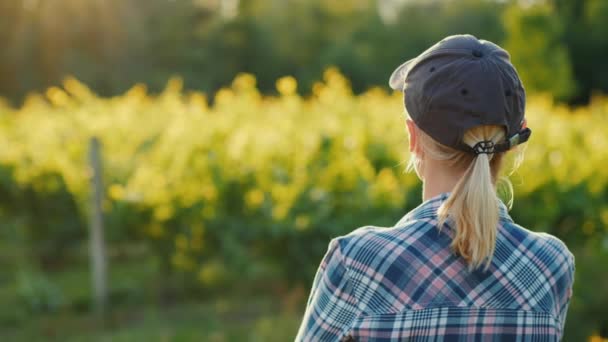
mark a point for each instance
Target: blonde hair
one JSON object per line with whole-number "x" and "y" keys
{"x": 473, "y": 203}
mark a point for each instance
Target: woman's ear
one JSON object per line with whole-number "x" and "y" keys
{"x": 413, "y": 136}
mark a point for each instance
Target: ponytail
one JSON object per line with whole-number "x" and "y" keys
{"x": 473, "y": 205}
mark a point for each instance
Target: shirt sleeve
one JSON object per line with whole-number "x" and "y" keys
{"x": 567, "y": 293}
{"x": 330, "y": 308}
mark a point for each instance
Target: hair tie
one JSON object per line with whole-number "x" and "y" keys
{"x": 484, "y": 146}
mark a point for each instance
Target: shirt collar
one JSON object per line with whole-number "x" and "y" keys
{"x": 428, "y": 209}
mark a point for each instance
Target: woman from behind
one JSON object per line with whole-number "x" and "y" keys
{"x": 457, "y": 267}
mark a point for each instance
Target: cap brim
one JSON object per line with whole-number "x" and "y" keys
{"x": 397, "y": 79}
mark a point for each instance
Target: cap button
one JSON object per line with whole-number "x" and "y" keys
{"x": 477, "y": 53}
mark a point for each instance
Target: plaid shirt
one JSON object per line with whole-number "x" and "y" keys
{"x": 404, "y": 284}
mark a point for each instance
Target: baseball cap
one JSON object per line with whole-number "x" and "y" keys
{"x": 459, "y": 83}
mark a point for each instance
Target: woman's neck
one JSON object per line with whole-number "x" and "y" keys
{"x": 438, "y": 179}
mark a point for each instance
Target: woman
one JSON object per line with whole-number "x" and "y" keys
{"x": 456, "y": 268}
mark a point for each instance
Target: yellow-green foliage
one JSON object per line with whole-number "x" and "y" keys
{"x": 252, "y": 187}
{"x": 267, "y": 180}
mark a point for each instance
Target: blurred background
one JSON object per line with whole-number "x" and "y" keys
{"x": 173, "y": 170}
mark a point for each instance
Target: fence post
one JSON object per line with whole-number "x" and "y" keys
{"x": 96, "y": 238}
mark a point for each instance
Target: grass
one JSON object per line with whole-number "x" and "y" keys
{"x": 183, "y": 322}
{"x": 137, "y": 312}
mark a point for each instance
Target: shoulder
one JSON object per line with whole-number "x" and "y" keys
{"x": 557, "y": 245}
{"x": 561, "y": 264}
{"x": 550, "y": 253}
{"x": 546, "y": 243}
{"x": 358, "y": 238}
{"x": 563, "y": 260}
{"x": 367, "y": 243}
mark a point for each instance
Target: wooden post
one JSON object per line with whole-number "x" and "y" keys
{"x": 96, "y": 238}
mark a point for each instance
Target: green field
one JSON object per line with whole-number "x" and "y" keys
{"x": 145, "y": 307}
{"x": 218, "y": 210}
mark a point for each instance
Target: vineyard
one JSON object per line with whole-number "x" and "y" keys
{"x": 241, "y": 191}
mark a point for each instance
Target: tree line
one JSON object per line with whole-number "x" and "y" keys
{"x": 557, "y": 45}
